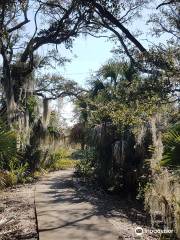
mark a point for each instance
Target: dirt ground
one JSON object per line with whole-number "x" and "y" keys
{"x": 17, "y": 206}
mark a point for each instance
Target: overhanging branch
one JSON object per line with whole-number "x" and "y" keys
{"x": 106, "y": 14}
{"x": 165, "y": 3}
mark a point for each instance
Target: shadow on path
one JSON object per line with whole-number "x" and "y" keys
{"x": 64, "y": 213}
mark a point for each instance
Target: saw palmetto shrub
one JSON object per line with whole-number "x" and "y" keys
{"x": 171, "y": 156}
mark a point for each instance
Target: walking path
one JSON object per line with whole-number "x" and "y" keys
{"x": 65, "y": 215}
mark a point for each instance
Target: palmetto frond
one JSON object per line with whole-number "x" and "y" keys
{"x": 171, "y": 155}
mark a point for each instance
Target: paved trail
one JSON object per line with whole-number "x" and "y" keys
{"x": 65, "y": 215}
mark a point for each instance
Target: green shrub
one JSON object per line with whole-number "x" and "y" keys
{"x": 32, "y": 102}
{"x": 85, "y": 167}
{"x": 12, "y": 170}
{"x": 22, "y": 173}
{"x": 60, "y": 160}
{"x": 172, "y": 147}
{"x": 7, "y": 146}
{"x": 7, "y": 179}
{"x": 63, "y": 164}
{"x": 16, "y": 173}
{"x": 60, "y": 154}
{"x": 78, "y": 154}
{"x": 19, "y": 169}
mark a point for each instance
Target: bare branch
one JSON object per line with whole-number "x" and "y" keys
{"x": 106, "y": 14}
{"x": 131, "y": 8}
{"x": 165, "y": 3}
{"x": 52, "y": 5}
{"x": 52, "y": 37}
{"x": 18, "y": 26}
{"x": 35, "y": 22}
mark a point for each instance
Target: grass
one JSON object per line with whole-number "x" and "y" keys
{"x": 63, "y": 164}
{"x": 61, "y": 160}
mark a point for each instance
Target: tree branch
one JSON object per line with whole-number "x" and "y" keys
{"x": 51, "y": 35}
{"x": 106, "y": 14}
{"x": 165, "y": 3}
{"x": 18, "y": 26}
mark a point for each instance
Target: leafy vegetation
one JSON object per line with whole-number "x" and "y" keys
{"x": 131, "y": 104}
{"x": 172, "y": 147}
{"x": 84, "y": 167}
{"x": 126, "y": 115}
{"x": 60, "y": 160}
{"x": 7, "y": 146}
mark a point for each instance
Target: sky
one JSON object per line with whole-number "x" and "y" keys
{"x": 87, "y": 55}
{"x": 90, "y": 54}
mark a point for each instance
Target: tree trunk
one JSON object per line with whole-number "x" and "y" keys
{"x": 7, "y": 83}
{"x": 17, "y": 88}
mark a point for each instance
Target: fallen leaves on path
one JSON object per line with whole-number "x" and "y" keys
{"x": 17, "y": 218}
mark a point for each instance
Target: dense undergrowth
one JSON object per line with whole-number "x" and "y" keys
{"x": 15, "y": 169}
{"x": 61, "y": 160}
{"x": 159, "y": 191}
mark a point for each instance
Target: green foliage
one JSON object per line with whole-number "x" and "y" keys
{"x": 14, "y": 169}
{"x": 60, "y": 160}
{"x": 59, "y": 154}
{"x": 7, "y": 145}
{"x": 84, "y": 168}
{"x": 17, "y": 174}
{"x": 171, "y": 156}
{"x": 7, "y": 179}
{"x": 126, "y": 99}
{"x": 22, "y": 173}
{"x": 62, "y": 164}
{"x": 77, "y": 154}
{"x": 31, "y": 106}
{"x": 53, "y": 122}
{"x": 121, "y": 95}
